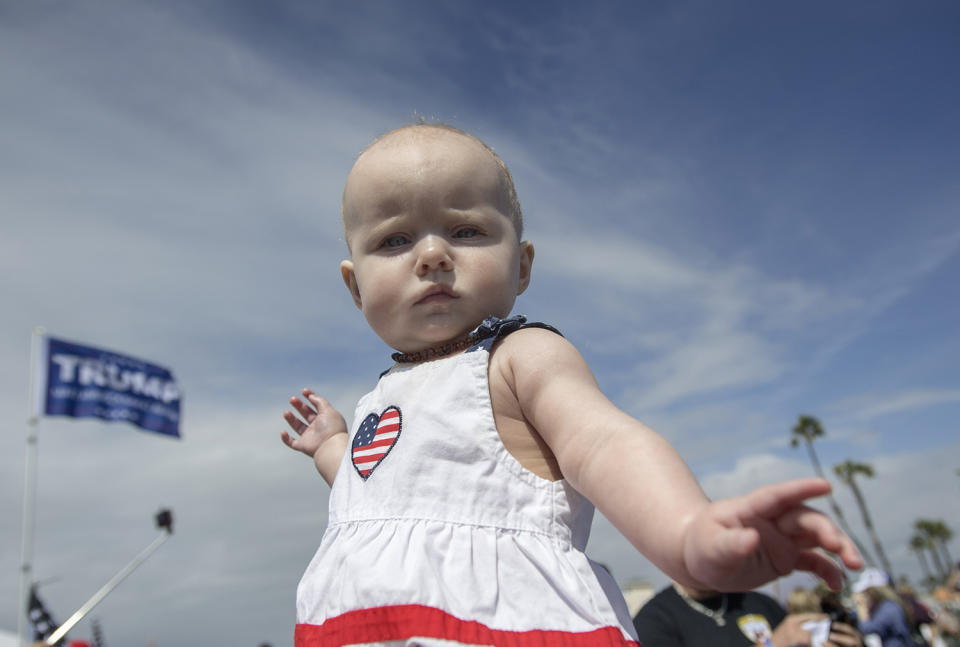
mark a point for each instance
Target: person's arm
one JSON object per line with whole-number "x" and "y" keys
{"x": 640, "y": 483}
{"x": 323, "y": 436}
{"x": 862, "y": 605}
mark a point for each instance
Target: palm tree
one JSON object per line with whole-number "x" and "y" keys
{"x": 807, "y": 429}
{"x": 942, "y": 534}
{"x": 928, "y": 530}
{"x": 918, "y": 543}
{"x": 847, "y": 472}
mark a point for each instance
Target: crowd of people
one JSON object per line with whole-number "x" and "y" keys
{"x": 872, "y": 613}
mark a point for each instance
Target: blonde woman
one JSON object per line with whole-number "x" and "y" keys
{"x": 879, "y": 609}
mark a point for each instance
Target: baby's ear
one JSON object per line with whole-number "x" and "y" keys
{"x": 526, "y": 265}
{"x": 350, "y": 280}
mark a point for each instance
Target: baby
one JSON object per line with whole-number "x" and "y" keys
{"x": 462, "y": 496}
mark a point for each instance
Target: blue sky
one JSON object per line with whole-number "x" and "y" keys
{"x": 742, "y": 212}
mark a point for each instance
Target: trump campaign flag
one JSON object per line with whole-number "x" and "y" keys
{"x": 85, "y": 382}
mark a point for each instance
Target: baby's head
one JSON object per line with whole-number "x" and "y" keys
{"x": 433, "y": 225}
{"x": 507, "y": 188}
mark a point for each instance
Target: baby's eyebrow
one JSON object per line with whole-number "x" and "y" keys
{"x": 385, "y": 208}
{"x": 389, "y": 206}
{"x": 387, "y": 220}
{"x": 386, "y": 224}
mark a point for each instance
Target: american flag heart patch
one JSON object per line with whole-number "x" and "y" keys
{"x": 374, "y": 440}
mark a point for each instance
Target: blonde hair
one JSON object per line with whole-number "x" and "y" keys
{"x": 803, "y": 601}
{"x": 876, "y": 594}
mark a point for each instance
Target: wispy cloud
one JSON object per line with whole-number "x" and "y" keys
{"x": 870, "y": 406}
{"x": 707, "y": 325}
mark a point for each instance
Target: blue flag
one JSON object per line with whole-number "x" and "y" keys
{"x": 86, "y": 382}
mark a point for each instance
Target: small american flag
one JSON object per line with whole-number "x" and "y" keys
{"x": 374, "y": 439}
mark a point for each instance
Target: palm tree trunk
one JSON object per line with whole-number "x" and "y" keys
{"x": 814, "y": 460}
{"x": 941, "y": 572}
{"x": 841, "y": 520}
{"x": 868, "y": 522}
{"x": 923, "y": 564}
{"x": 946, "y": 553}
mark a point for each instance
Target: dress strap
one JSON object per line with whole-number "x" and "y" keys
{"x": 494, "y": 328}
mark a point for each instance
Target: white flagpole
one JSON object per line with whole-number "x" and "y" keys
{"x": 29, "y": 490}
{"x": 106, "y": 589}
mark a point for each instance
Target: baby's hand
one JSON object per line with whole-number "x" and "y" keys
{"x": 741, "y": 543}
{"x": 322, "y": 422}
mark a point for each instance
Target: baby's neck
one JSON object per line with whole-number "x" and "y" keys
{"x": 434, "y": 352}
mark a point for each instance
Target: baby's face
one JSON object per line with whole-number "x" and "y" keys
{"x": 433, "y": 251}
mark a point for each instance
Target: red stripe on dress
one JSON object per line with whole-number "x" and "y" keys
{"x": 402, "y": 622}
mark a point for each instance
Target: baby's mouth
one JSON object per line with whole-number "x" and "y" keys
{"x": 437, "y": 294}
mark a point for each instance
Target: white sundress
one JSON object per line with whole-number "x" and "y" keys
{"x": 438, "y": 536}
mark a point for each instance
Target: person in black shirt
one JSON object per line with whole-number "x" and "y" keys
{"x": 683, "y": 617}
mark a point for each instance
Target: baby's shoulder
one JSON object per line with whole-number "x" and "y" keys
{"x": 532, "y": 350}
{"x": 528, "y": 343}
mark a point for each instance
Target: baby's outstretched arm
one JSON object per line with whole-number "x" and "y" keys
{"x": 323, "y": 436}
{"x": 640, "y": 483}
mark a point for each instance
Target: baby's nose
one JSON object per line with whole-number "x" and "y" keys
{"x": 434, "y": 254}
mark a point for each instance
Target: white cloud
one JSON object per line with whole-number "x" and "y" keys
{"x": 869, "y": 406}
{"x": 708, "y": 363}
{"x": 589, "y": 258}
{"x": 752, "y": 471}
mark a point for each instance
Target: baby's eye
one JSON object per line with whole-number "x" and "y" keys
{"x": 466, "y": 232}
{"x": 396, "y": 240}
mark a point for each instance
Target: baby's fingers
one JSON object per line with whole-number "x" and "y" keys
{"x": 813, "y": 561}
{"x": 294, "y": 422}
{"x": 303, "y": 408}
{"x": 812, "y": 528}
{"x": 317, "y": 401}
{"x": 771, "y": 501}
{"x": 287, "y": 439}
{"x": 297, "y": 444}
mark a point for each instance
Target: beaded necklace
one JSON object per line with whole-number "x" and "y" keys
{"x": 439, "y": 350}
{"x": 717, "y": 616}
